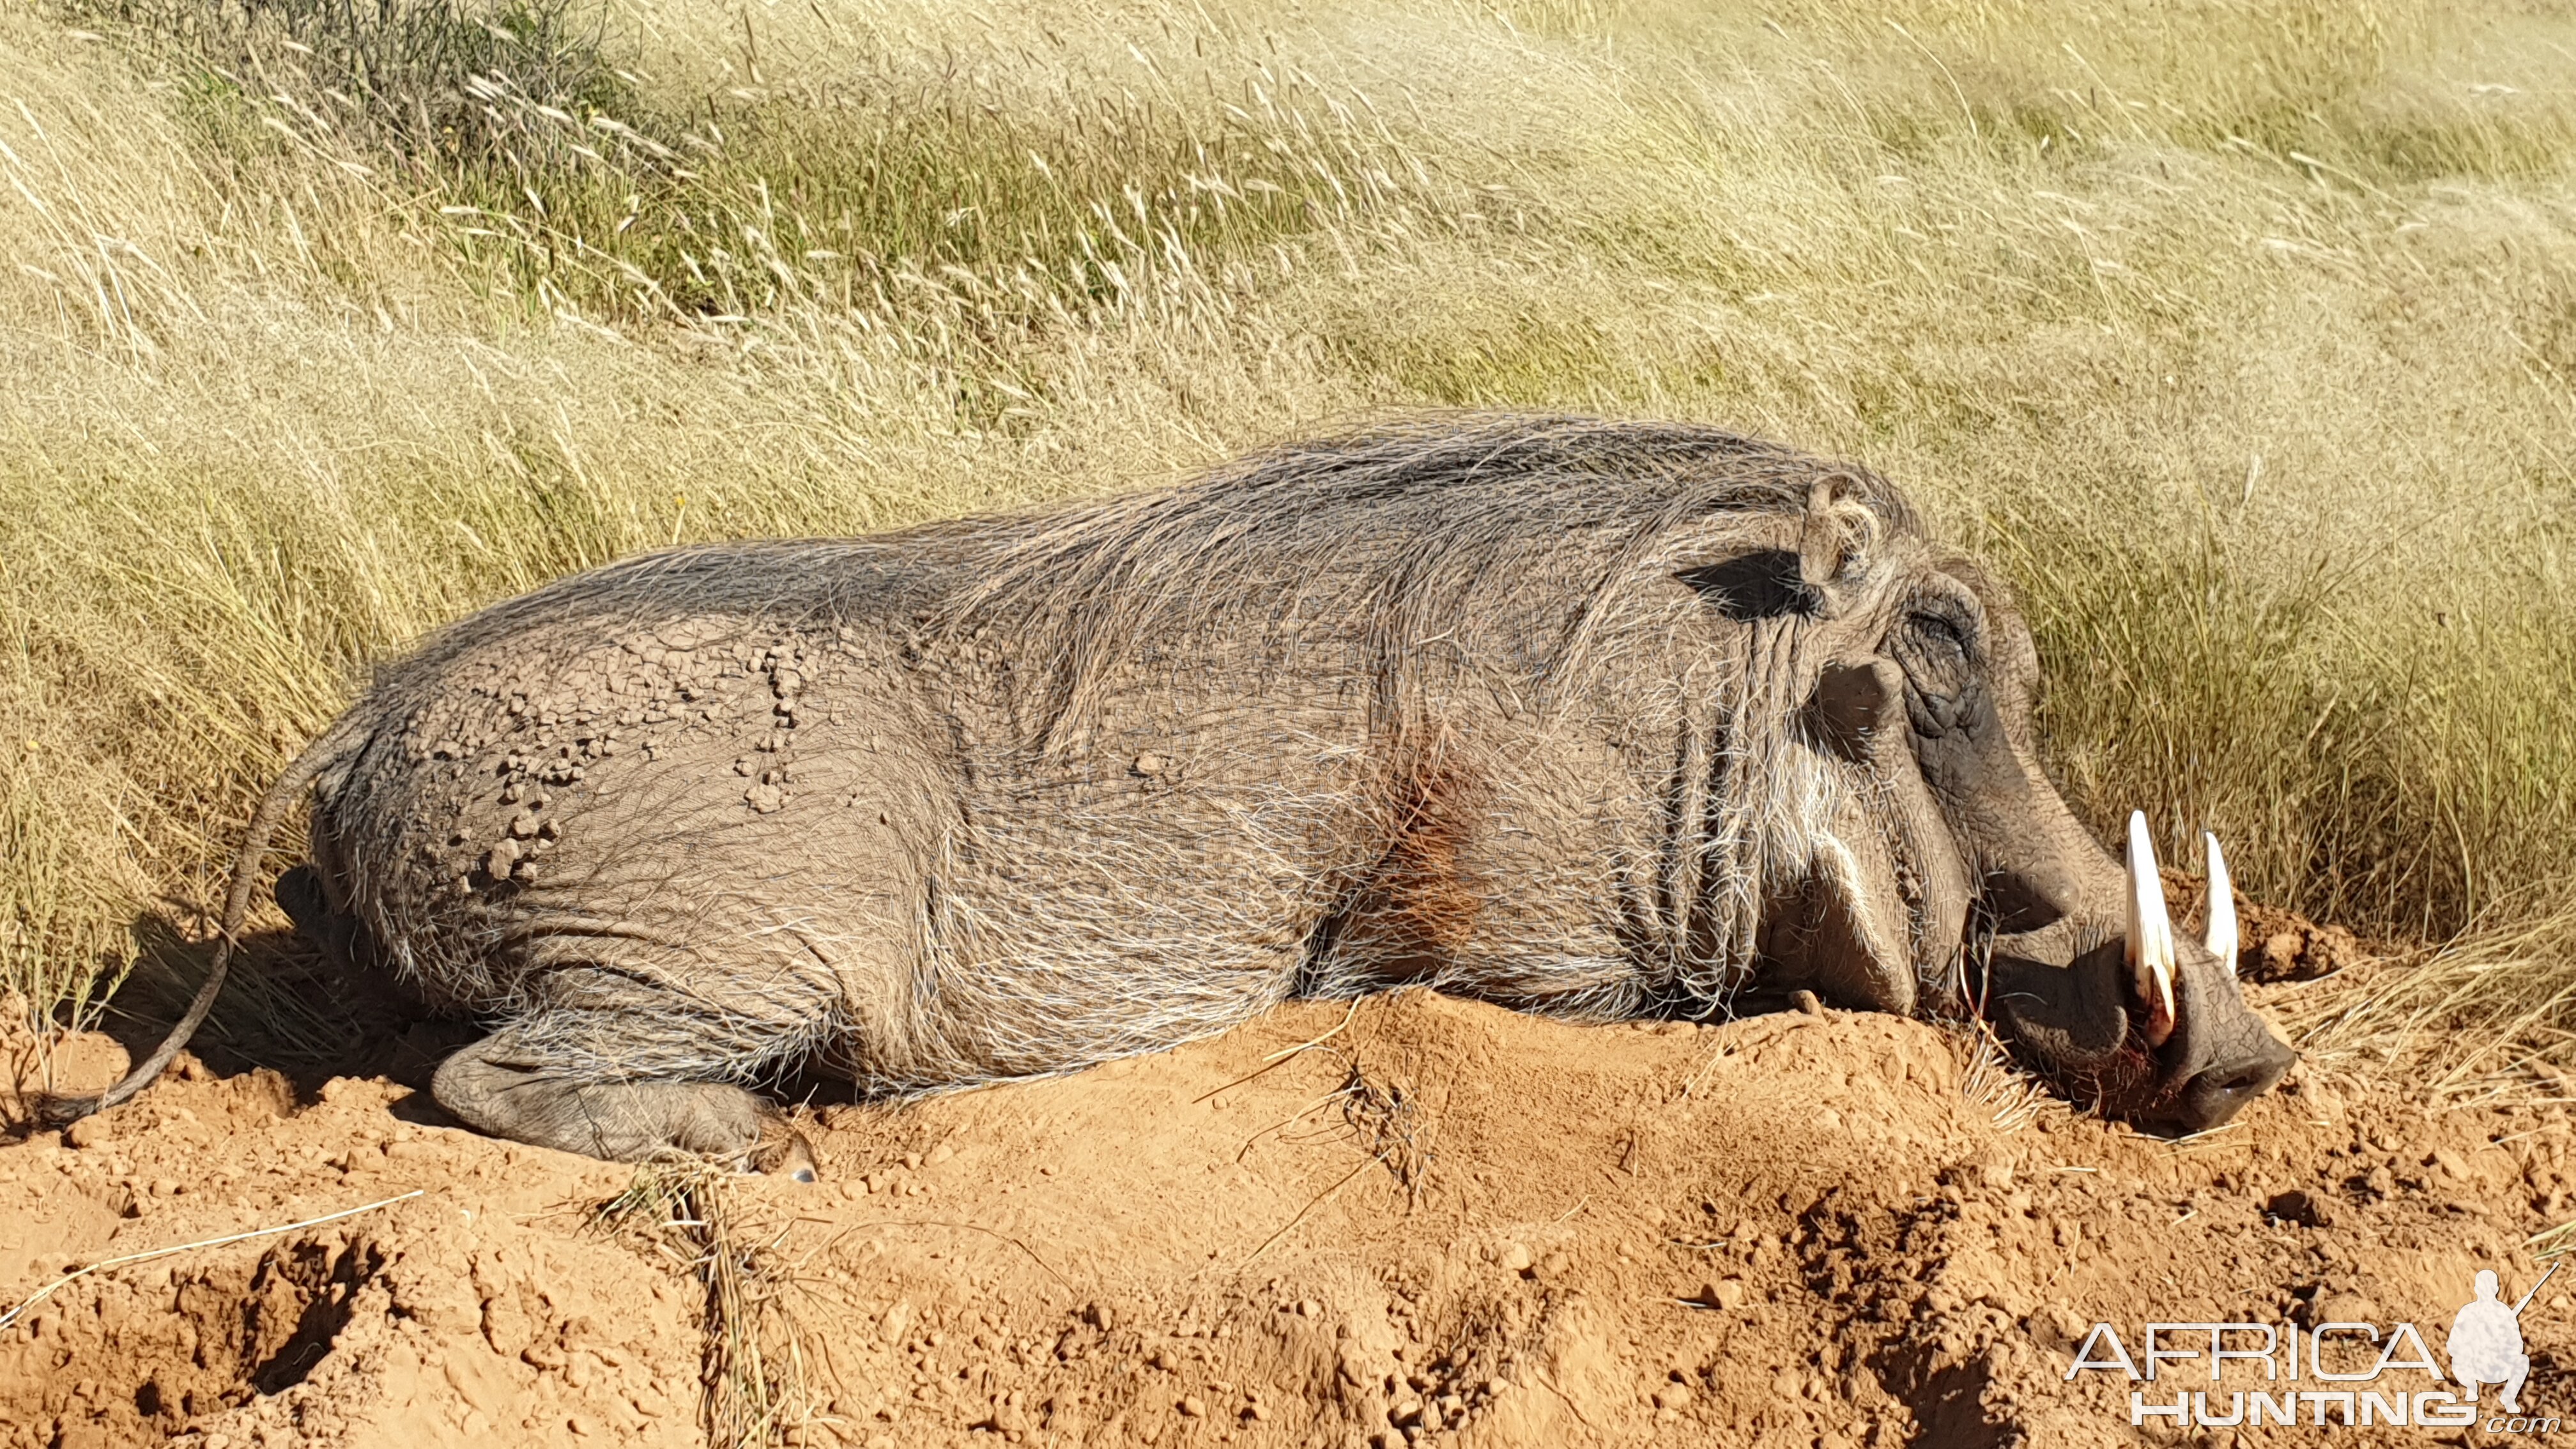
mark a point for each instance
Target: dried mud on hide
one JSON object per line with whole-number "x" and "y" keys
{"x": 1436, "y": 1223}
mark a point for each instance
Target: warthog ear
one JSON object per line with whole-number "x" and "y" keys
{"x": 1836, "y": 544}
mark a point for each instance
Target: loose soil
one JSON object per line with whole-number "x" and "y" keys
{"x": 1443, "y": 1222}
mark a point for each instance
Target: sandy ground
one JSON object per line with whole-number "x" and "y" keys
{"x": 1446, "y": 1224}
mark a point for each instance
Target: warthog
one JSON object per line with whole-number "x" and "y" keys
{"x": 1594, "y": 719}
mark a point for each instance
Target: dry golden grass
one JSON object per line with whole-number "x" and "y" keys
{"x": 755, "y": 1388}
{"x": 2240, "y": 335}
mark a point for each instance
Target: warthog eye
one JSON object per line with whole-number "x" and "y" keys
{"x": 1942, "y": 632}
{"x": 1936, "y": 646}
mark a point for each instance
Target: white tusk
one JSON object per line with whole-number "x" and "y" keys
{"x": 2221, "y": 935}
{"x": 2151, "y": 947}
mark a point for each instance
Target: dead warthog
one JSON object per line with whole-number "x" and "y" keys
{"x": 1595, "y": 719}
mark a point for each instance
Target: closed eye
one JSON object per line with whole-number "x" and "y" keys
{"x": 1936, "y": 648}
{"x": 1942, "y": 633}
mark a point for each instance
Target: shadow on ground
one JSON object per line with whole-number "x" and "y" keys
{"x": 285, "y": 1007}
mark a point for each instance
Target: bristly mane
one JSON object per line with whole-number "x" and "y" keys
{"x": 1423, "y": 507}
{"x": 1409, "y": 516}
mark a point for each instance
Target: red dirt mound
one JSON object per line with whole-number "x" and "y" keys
{"x": 1444, "y": 1224}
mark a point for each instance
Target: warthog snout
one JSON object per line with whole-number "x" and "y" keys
{"x": 2215, "y": 1055}
{"x": 2148, "y": 1022}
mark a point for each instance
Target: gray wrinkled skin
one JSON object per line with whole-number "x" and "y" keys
{"x": 1591, "y": 719}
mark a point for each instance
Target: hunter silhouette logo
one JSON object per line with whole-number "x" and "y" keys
{"x": 2335, "y": 1374}
{"x": 2486, "y": 1342}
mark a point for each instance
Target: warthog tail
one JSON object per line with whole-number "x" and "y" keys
{"x": 334, "y": 745}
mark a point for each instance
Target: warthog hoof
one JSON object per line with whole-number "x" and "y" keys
{"x": 783, "y": 1152}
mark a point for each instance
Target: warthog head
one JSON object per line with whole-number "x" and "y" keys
{"x": 1925, "y": 695}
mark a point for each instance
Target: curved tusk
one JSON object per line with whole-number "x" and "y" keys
{"x": 2221, "y": 936}
{"x": 2151, "y": 947}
